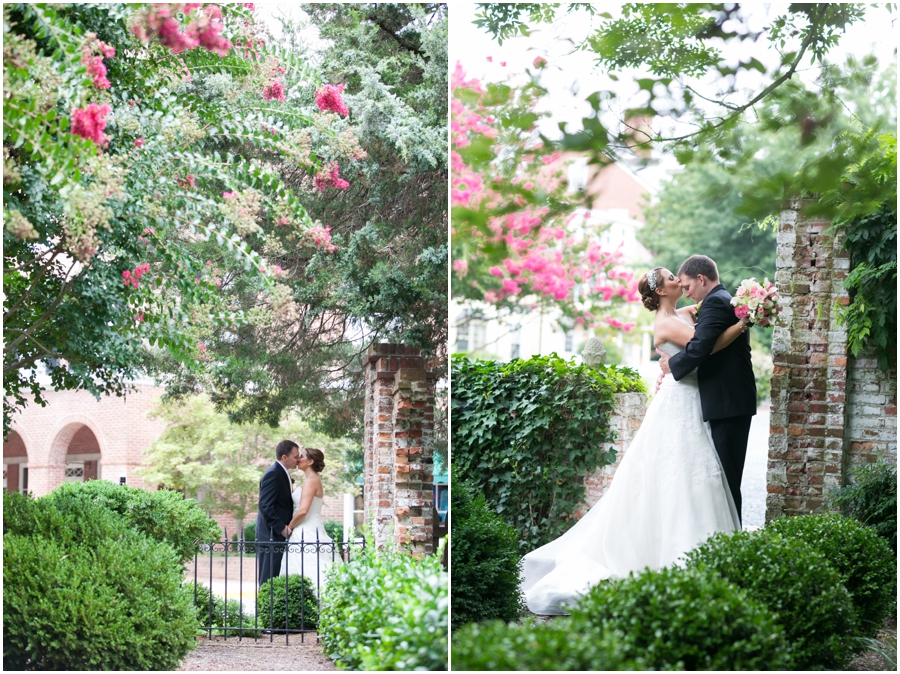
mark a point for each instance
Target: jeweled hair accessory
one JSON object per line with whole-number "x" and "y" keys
{"x": 651, "y": 279}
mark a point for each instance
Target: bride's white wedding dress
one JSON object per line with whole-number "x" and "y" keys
{"x": 303, "y": 556}
{"x": 668, "y": 495}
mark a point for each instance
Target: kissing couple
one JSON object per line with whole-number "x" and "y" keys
{"x": 679, "y": 482}
{"x": 291, "y": 519}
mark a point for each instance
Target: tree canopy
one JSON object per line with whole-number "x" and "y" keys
{"x": 185, "y": 196}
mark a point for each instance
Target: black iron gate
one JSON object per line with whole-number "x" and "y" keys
{"x": 226, "y": 617}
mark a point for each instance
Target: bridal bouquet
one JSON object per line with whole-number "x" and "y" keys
{"x": 758, "y": 301}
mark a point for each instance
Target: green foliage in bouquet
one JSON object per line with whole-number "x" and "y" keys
{"x": 526, "y": 433}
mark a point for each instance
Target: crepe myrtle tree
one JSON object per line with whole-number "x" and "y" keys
{"x": 133, "y": 213}
{"x": 384, "y": 275}
{"x": 518, "y": 240}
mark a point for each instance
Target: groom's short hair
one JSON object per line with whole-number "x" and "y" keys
{"x": 284, "y": 448}
{"x": 699, "y": 264}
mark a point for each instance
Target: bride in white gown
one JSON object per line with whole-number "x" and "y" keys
{"x": 668, "y": 494}
{"x": 303, "y": 555}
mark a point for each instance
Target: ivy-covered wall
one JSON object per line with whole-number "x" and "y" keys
{"x": 830, "y": 410}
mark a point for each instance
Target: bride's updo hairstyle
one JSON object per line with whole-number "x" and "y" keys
{"x": 648, "y": 296}
{"x": 317, "y": 457}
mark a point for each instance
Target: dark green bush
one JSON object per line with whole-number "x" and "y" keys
{"x": 303, "y": 603}
{"x": 499, "y": 646}
{"x": 215, "y": 612}
{"x": 864, "y": 560}
{"x": 486, "y": 562}
{"x": 250, "y": 531}
{"x": 335, "y": 530}
{"x": 385, "y": 610}
{"x": 796, "y": 583}
{"x": 85, "y": 591}
{"x": 683, "y": 618}
{"x": 872, "y": 499}
{"x": 164, "y": 515}
{"x": 529, "y": 431}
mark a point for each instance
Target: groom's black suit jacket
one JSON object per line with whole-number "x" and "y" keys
{"x": 727, "y": 385}
{"x": 275, "y": 504}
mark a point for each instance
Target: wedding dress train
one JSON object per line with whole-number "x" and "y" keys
{"x": 303, "y": 555}
{"x": 668, "y": 495}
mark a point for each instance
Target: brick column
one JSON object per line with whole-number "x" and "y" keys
{"x": 399, "y": 447}
{"x": 627, "y": 416}
{"x": 809, "y": 351}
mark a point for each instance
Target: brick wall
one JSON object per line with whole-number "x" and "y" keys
{"x": 399, "y": 448}
{"x": 626, "y": 419}
{"x": 77, "y": 423}
{"x": 829, "y": 410}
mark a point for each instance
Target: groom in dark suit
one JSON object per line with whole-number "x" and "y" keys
{"x": 275, "y": 509}
{"x": 727, "y": 384}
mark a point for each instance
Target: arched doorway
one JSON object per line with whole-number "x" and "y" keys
{"x": 83, "y": 457}
{"x": 15, "y": 463}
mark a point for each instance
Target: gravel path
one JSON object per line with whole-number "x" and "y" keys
{"x": 218, "y": 655}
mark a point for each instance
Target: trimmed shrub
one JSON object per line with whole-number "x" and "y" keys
{"x": 215, "y": 612}
{"x": 794, "y": 581}
{"x": 302, "y": 612}
{"x": 85, "y": 591}
{"x": 506, "y": 414}
{"x": 872, "y": 499}
{"x": 250, "y": 531}
{"x": 486, "y": 562}
{"x": 164, "y": 515}
{"x": 385, "y": 610}
{"x": 553, "y": 646}
{"x": 683, "y": 618}
{"x": 335, "y": 530}
{"x": 867, "y": 566}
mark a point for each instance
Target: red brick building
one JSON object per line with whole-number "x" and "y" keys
{"x": 76, "y": 437}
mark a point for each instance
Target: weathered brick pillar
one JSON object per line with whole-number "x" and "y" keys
{"x": 626, "y": 419}
{"x": 830, "y": 411}
{"x": 399, "y": 447}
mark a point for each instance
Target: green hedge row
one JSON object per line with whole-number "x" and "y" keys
{"x": 529, "y": 431}
{"x": 93, "y": 578}
{"x": 385, "y": 610}
{"x": 802, "y": 593}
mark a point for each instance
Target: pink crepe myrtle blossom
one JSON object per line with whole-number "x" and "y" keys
{"x": 97, "y": 70}
{"x": 90, "y": 122}
{"x": 321, "y": 238}
{"x": 133, "y": 277}
{"x": 330, "y": 178}
{"x": 204, "y": 27}
{"x": 517, "y": 238}
{"x": 539, "y": 62}
{"x": 274, "y": 91}
{"x": 229, "y": 195}
{"x": 328, "y": 98}
{"x": 139, "y": 142}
